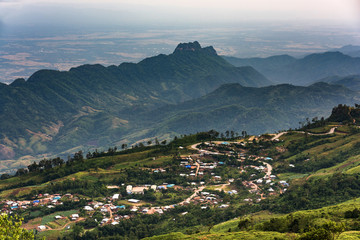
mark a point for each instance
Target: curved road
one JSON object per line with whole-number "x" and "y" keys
{"x": 331, "y": 131}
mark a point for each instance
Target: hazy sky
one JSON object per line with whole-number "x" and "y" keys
{"x": 27, "y": 12}
{"x": 60, "y": 34}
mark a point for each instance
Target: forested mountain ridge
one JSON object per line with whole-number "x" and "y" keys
{"x": 286, "y": 69}
{"x": 256, "y": 110}
{"x": 90, "y": 105}
{"x": 352, "y": 82}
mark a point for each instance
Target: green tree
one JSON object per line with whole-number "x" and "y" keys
{"x": 77, "y": 231}
{"x": 334, "y": 228}
{"x": 10, "y": 228}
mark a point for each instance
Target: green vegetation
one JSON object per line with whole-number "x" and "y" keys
{"x": 314, "y": 180}
{"x": 93, "y": 107}
{"x": 10, "y": 228}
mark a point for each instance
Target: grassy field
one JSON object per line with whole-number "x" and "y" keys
{"x": 51, "y": 218}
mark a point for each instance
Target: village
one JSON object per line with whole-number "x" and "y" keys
{"x": 214, "y": 176}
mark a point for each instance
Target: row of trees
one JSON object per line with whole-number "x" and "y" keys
{"x": 47, "y": 164}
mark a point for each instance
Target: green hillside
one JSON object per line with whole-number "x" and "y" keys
{"x": 307, "y": 187}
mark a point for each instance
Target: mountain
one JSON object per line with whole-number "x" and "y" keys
{"x": 352, "y": 82}
{"x": 303, "y": 71}
{"x": 193, "y": 89}
{"x": 256, "y": 110}
{"x": 267, "y": 66}
{"x": 90, "y": 105}
{"x": 351, "y": 50}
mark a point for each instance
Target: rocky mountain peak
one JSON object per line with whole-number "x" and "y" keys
{"x": 193, "y": 47}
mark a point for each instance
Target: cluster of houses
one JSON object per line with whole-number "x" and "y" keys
{"x": 261, "y": 185}
{"x": 197, "y": 168}
{"x": 196, "y": 165}
{"x": 46, "y": 200}
{"x": 207, "y": 199}
{"x": 140, "y": 189}
{"x": 112, "y": 213}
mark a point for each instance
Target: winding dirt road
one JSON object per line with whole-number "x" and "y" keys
{"x": 331, "y": 131}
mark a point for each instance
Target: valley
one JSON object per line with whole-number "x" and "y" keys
{"x": 208, "y": 184}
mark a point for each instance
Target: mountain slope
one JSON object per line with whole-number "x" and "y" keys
{"x": 267, "y": 66}
{"x": 91, "y": 105}
{"x": 351, "y": 50}
{"x": 303, "y": 71}
{"x": 352, "y": 82}
{"x": 256, "y": 110}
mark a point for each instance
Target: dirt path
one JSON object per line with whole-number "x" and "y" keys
{"x": 269, "y": 169}
{"x": 193, "y": 195}
{"x": 110, "y": 211}
{"x": 277, "y": 136}
{"x": 331, "y": 131}
{"x": 221, "y": 186}
{"x": 194, "y": 146}
{"x": 63, "y": 227}
{"x": 197, "y": 169}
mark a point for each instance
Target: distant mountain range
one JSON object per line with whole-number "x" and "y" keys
{"x": 352, "y": 82}
{"x": 351, "y": 50}
{"x": 304, "y": 71}
{"x": 190, "y": 90}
